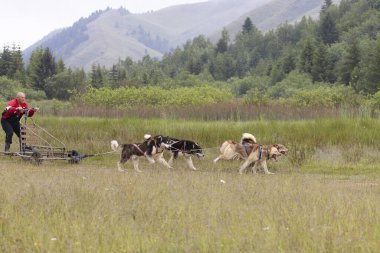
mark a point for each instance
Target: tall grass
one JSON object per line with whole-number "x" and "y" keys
{"x": 340, "y": 143}
{"x": 236, "y": 111}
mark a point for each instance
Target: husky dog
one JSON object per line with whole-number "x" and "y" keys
{"x": 186, "y": 147}
{"x": 149, "y": 148}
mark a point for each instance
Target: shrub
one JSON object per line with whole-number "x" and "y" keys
{"x": 326, "y": 96}
{"x": 290, "y": 85}
{"x": 9, "y": 89}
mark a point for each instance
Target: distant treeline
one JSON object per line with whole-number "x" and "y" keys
{"x": 331, "y": 61}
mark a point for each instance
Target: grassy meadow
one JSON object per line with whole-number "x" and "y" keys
{"x": 323, "y": 196}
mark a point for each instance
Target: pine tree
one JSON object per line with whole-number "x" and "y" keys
{"x": 319, "y": 70}
{"x": 373, "y": 73}
{"x": 277, "y": 74}
{"x": 16, "y": 68}
{"x": 49, "y": 64}
{"x": 350, "y": 60}
{"x": 327, "y": 30}
{"x": 306, "y": 58}
{"x": 96, "y": 76}
{"x": 367, "y": 77}
{"x": 222, "y": 44}
{"x": 60, "y": 66}
{"x": 35, "y": 69}
{"x": 325, "y": 6}
{"x": 288, "y": 61}
{"x": 5, "y": 61}
{"x": 42, "y": 65}
{"x": 113, "y": 76}
{"x": 247, "y": 26}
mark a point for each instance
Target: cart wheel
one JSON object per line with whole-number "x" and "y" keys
{"x": 75, "y": 157}
{"x": 74, "y": 160}
{"x": 36, "y": 158}
{"x": 27, "y": 159}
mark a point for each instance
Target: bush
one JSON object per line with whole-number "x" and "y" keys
{"x": 9, "y": 89}
{"x": 241, "y": 87}
{"x": 327, "y": 96}
{"x": 375, "y": 101}
{"x": 291, "y": 84}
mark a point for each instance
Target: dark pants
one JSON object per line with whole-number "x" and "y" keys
{"x": 10, "y": 127}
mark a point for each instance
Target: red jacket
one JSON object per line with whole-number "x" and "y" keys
{"x": 11, "y": 110}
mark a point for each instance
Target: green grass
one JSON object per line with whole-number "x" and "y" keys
{"x": 323, "y": 197}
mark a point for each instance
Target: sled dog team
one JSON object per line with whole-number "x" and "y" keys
{"x": 254, "y": 155}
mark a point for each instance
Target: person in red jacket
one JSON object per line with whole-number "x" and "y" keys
{"x": 11, "y": 116}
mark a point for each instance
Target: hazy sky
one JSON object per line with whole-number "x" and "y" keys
{"x": 24, "y": 22}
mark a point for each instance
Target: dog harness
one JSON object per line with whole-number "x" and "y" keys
{"x": 260, "y": 152}
{"x": 138, "y": 148}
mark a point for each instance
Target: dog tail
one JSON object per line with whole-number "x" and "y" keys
{"x": 115, "y": 145}
{"x": 247, "y": 137}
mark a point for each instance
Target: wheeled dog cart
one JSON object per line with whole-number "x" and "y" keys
{"x": 37, "y": 145}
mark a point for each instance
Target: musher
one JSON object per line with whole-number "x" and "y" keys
{"x": 11, "y": 116}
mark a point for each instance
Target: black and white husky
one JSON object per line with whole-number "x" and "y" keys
{"x": 186, "y": 147}
{"x": 152, "y": 150}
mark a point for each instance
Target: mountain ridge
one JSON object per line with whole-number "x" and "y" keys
{"x": 112, "y": 34}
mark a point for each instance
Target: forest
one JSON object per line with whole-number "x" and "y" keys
{"x": 333, "y": 61}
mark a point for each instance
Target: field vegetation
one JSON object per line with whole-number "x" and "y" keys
{"x": 322, "y": 198}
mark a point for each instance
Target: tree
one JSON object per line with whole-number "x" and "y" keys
{"x": 327, "y": 30}
{"x": 60, "y": 66}
{"x": 319, "y": 71}
{"x": 247, "y": 26}
{"x": 5, "y": 61}
{"x": 350, "y": 60}
{"x": 222, "y": 44}
{"x": 222, "y": 66}
{"x": 288, "y": 60}
{"x": 366, "y": 76}
{"x": 49, "y": 64}
{"x": 277, "y": 74}
{"x": 35, "y": 69}
{"x": 64, "y": 84}
{"x": 96, "y": 75}
{"x": 325, "y": 6}
{"x": 372, "y": 75}
{"x": 41, "y": 66}
{"x": 306, "y": 58}
{"x": 113, "y": 76}
{"x": 11, "y": 63}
